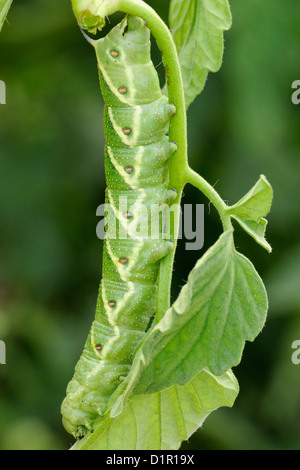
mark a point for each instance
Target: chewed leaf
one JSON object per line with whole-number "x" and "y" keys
{"x": 223, "y": 304}
{"x": 257, "y": 202}
{"x": 257, "y": 230}
{"x": 4, "y": 8}
{"x": 161, "y": 421}
{"x": 197, "y": 27}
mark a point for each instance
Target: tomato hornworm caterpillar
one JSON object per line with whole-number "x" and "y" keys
{"x": 136, "y": 122}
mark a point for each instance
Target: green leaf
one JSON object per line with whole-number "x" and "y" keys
{"x": 256, "y": 230}
{"x": 161, "y": 421}
{"x": 223, "y": 304}
{"x": 4, "y": 7}
{"x": 197, "y": 27}
{"x": 250, "y": 211}
{"x": 257, "y": 202}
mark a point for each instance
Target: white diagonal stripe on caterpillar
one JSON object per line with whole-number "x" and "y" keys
{"x": 130, "y": 79}
{"x": 113, "y": 313}
{"x": 132, "y": 140}
{"x": 108, "y": 346}
{"x": 130, "y": 179}
{"x": 129, "y": 226}
{"x": 120, "y": 268}
{"x": 120, "y": 169}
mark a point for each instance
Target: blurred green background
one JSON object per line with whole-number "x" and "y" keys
{"x": 51, "y": 181}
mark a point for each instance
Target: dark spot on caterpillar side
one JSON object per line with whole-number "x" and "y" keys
{"x": 114, "y": 53}
{"x": 112, "y": 303}
{"x": 127, "y": 130}
{"x": 123, "y": 260}
{"x": 128, "y": 169}
{"x": 127, "y": 215}
{"x": 98, "y": 347}
{"x": 123, "y": 90}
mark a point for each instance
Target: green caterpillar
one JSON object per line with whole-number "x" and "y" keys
{"x": 136, "y": 124}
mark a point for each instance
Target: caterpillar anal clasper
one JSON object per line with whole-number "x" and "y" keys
{"x": 136, "y": 124}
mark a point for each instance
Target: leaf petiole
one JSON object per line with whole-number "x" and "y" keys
{"x": 199, "y": 182}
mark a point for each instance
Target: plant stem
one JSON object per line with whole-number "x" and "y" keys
{"x": 196, "y": 180}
